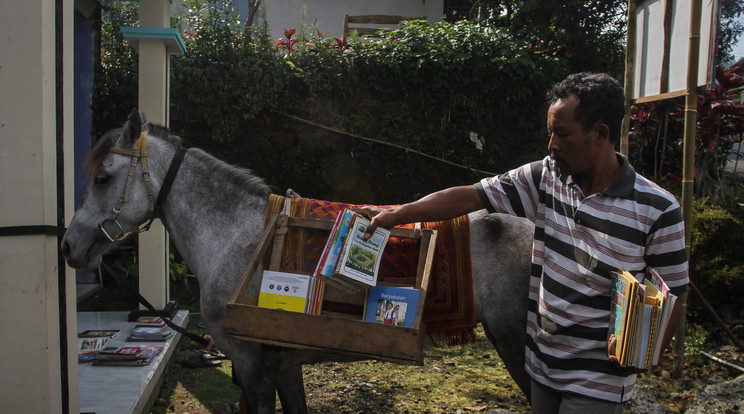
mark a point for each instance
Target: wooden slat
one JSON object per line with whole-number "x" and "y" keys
{"x": 426, "y": 258}
{"x": 280, "y": 233}
{"x": 324, "y": 333}
{"x": 239, "y": 295}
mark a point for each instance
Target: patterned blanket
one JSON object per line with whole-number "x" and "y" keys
{"x": 449, "y": 310}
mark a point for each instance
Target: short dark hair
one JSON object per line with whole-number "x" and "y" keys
{"x": 601, "y": 99}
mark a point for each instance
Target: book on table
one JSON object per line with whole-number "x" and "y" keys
{"x": 348, "y": 261}
{"x": 640, "y": 313}
{"x": 128, "y": 355}
{"x": 144, "y": 333}
{"x": 90, "y": 342}
{"x": 391, "y": 305}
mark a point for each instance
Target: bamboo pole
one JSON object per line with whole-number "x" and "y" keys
{"x": 629, "y": 76}
{"x": 688, "y": 166}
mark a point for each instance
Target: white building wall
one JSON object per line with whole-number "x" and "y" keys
{"x": 32, "y": 369}
{"x": 329, "y": 14}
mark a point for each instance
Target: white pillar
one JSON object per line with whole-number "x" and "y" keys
{"x": 39, "y": 368}
{"x": 153, "y": 101}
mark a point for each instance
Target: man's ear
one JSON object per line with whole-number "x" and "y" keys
{"x": 602, "y": 132}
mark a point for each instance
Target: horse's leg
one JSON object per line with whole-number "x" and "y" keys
{"x": 257, "y": 384}
{"x": 291, "y": 389}
{"x": 500, "y": 247}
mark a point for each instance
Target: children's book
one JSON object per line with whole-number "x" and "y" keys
{"x": 90, "y": 342}
{"x": 329, "y": 258}
{"x": 637, "y": 318}
{"x": 395, "y": 306}
{"x": 282, "y": 290}
{"x": 359, "y": 260}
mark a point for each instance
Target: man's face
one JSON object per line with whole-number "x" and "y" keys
{"x": 569, "y": 146}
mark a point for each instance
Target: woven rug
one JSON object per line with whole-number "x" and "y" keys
{"x": 449, "y": 310}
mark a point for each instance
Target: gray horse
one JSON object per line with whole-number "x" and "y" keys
{"x": 214, "y": 214}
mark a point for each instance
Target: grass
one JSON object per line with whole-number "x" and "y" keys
{"x": 457, "y": 379}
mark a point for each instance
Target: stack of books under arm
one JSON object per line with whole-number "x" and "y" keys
{"x": 349, "y": 263}
{"x": 640, "y": 315}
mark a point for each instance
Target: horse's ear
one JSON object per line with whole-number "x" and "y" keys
{"x": 132, "y": 129}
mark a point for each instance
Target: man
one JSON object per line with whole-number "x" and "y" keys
{"x": 593, "y": 214}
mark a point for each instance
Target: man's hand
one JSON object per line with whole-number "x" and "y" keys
{"x": 378, "y": 217}
{"x": 211, "y": 342}
{"x": 611, "y": 347}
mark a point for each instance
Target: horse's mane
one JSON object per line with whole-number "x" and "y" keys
{"x": 238, "y": 176}
{"x": 229, "y": 174}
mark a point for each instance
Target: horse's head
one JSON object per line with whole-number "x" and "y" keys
{"x": 118, "y": 196}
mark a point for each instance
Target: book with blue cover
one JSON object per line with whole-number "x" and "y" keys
{"x": 391, "y": 305}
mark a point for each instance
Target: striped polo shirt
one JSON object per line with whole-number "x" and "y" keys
{"x": 579, "y": 240}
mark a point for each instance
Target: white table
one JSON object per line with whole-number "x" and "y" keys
{"x": 122, "y": 389}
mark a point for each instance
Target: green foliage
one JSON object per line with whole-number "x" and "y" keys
{"x": 178, "y": 269}
{"x": 657, "y": 131}
{"x": 716, "y": 263}
{"x": 587, "y": 35}
{"x": 427, "y": 87}
{"x": 115, "y": 86}
{"x": 695, "y": 339}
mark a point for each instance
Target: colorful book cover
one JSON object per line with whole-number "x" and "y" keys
{"x": 360, "y": 260}
{"x": 346, "y": 218}
{"x": 390, "y": 305}
{"x": 332, "y": 237}
{"x": 281, "y": 290}
{"x": 624, "y": 296}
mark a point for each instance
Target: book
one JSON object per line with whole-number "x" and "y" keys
{"x": 359, "y": 260}
{"x": 668, "y": 301}
{"x": 127, "y": 355}
{"x": 282, "y": 290}
{"x": 150, "y": 321}
{"x": 391, "y": 305}
{"x": 144, "y": 333}
{"x": 637, "y": 316}
{"x": 90, "y": 342}
{"x": 333, "y": 248}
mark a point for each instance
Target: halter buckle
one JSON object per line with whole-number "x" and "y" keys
{"x": 112, "y": 230}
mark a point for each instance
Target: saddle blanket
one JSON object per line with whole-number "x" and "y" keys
{"x": 449, "y": 310}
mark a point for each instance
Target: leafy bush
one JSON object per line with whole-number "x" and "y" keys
{"x": 447, "y": 90}
{"x": 717, "y": 265}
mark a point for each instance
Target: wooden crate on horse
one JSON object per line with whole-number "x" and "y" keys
{"x": 340, "y": 328}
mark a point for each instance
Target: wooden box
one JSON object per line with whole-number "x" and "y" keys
{"x": 340, "y": 328}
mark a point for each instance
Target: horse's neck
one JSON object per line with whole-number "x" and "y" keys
{"x": 214, "y": 221}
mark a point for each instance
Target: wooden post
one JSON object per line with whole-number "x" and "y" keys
{"x": 688, "y": 166}
{"x": 629, "y": 76}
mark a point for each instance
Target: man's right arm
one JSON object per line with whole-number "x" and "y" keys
{"x": 441, "y": 205}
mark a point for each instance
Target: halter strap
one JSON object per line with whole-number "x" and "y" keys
{"x": 154, "y": 207}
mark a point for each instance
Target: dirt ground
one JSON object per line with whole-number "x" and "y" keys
{"x": 460, "y": 379}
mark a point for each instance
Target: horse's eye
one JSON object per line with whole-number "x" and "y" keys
{"x": 101, "y": 180}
